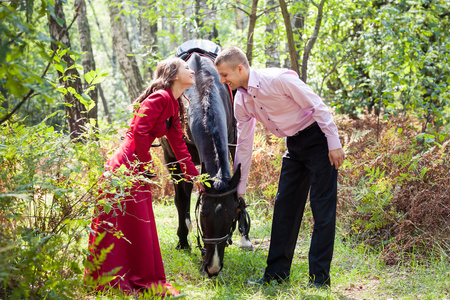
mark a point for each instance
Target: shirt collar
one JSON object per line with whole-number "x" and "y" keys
{"x": 253, "y": 81}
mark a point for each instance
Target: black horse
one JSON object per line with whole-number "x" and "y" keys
{"x": 211, "y": 129}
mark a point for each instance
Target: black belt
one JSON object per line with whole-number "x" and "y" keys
{"x": 309, "y": 127}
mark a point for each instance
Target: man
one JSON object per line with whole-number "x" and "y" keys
{"x": 288, "y": 108}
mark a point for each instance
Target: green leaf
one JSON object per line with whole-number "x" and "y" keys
{"x": 89, "y": 76}
{"x": 59, "y": 68}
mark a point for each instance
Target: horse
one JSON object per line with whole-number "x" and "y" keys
{"x": 211, "y": 134}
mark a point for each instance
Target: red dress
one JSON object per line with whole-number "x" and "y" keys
{"x": 137, "y": 253}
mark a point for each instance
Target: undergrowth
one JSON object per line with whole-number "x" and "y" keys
{"x": 393, "y": 202}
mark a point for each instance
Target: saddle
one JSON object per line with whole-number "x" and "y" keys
{"x": 204, "y": 47}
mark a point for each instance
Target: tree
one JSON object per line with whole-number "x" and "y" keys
{"x": 290, "y": 36}
{"x": 312, "y": 40}
{"x": 127, "y": 61}
{"x": 84, "y": 34}
{"x": 149, "y": 23}
{"x": 205, "y": 20}
{"x": 69, "y": 77}
{"x": 271, "y": 41}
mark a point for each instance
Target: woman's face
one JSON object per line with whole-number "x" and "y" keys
{"x": 185, "y": 75}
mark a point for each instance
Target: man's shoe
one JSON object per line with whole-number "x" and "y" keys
{"x": 266, "y": 280}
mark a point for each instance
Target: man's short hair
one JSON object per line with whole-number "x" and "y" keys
{"x": 232, "y": 56}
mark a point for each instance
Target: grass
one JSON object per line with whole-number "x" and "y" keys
{"x": 357, "y": 272}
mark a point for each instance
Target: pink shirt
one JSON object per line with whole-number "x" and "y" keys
{"x": 285, "y": 105}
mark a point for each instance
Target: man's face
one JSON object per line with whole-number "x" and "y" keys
{"x": 232, "y": 77}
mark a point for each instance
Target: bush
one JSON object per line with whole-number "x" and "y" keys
{"x": 394, "y": 189}
{"x": 47, "y": 193}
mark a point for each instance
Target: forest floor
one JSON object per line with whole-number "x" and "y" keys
{"x": 357, "y": 273}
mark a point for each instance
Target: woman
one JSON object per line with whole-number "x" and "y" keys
{"x": 157, "y": 113}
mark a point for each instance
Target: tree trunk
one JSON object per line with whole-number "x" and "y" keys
{"x": 127, "y": 61}
{"x": 87, "y": 60}
{"x": 203, "y": 17}
{"x": 251, "y": 31}
{"x": 239, "y": 16}
{"x": 105, "y": 48}
{"x": 135, "y": 36}
{"x": 105, "y": 103}
{"x": 272, "y": 54}
{"x": 75, "y": 111}
{"x": 187, "y": 28}
{"x": 312, "y": 39}
{"x": 149, "y": 25}
{"x": 290, "y": 36}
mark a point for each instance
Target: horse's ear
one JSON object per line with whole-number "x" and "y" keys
{"x": 203, "y": 171}
{"x": 236, "y": 177}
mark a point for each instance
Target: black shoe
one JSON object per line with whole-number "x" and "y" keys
{"x": 266, "y": 280}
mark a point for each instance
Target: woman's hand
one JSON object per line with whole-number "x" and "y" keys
{"x": 200, "y": 186}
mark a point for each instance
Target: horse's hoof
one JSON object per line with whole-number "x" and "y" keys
{"x": 183, "y": 247}
{"x": 247, "y": 247}
{"x": 245, "y": 244}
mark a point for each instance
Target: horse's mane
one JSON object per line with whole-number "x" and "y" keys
{"x": 207, "y": 90}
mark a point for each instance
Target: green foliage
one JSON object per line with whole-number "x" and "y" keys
{"x": 47, "y": 194}
{"x": 24, "y": 59}
{"x": 392, "y": 57}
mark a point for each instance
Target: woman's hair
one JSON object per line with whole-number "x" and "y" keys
{"x": 163, "y": 77}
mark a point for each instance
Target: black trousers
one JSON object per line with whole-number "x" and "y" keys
{"x": 305, "y": 168}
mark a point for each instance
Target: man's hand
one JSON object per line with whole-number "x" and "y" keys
{"x": 337, "y": 157}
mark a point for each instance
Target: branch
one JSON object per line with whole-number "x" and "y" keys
{"x": 237, "y": 7}
{"x": 30, "y": 93}
{"x": 267, "y": 10}
{"x": 314, "y": 3}
{"x": 344, "y": 57}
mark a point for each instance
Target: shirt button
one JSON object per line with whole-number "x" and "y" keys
{"x": 254, "y": 96}
{"x": 261, "y": 107}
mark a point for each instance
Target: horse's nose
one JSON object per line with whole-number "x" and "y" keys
{"x": 214, "y": 267}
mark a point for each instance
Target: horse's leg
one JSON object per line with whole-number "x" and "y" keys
{"x": 183, "y": 191}
{"x": 182, "y": 196}
{"x": 244, "y": 224}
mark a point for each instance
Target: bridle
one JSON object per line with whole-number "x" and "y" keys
{"x": 213, "y": 241}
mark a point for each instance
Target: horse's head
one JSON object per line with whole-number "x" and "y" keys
{"x": 218, "y": 214}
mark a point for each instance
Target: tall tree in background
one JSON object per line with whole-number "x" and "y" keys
{"x": 88, "y": 62}
{"x": 312, "y": 40}
{"x": 300, "y": 27}
{"x": 290, "y": 36}
{"x": 252, "y": 15}
{"x": 127, "y": 61}
{"x": 251, "y": 30}
{"x": 271, "y": 41}
{"x": 149, "y": 25}
{"x": 205, "y": 17}
{"x": 70, "y": 79}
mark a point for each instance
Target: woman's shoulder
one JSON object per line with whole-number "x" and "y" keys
{"x": 159, "y": 96}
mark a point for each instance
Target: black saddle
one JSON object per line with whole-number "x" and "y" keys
{"x": 204, "y": 47}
